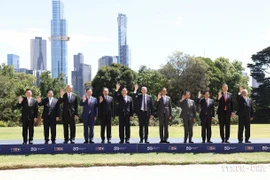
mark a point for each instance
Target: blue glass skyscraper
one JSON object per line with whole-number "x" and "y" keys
{"x": 123, "y": 50}
{"x": 13, "y": 60}
{"x": 59, "y": 40}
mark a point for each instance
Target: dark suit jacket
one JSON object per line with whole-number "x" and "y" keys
{"x": 164, "y": 108}
{"x": 125, "y": 108}
{"x": 245, "y": 107}
{"x": 29, "y": 112}
{"x": 228, "y": 104}
{"x": 188, "y": 107}
{"x": 69, "y": 108}
{"x": 207, "y": 110}
{"x": 150, "y": 104}
{"x": 91, "y": 108}
{"x": 53, "y": 110}
{"x": 106, "y": 106}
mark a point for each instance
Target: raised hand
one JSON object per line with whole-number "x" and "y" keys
{"x": 241, "y": 89}
{"x": 62, "y": 92}
{"x": 117, "y": 87}
{"x": 84, "y": 98}
{"x": 219, "y": 95}
{"x": 100, "y": 99}
{"x": 199, "y": 94}
{"x": 183, "y": 97}
{"x": 38, "y": 99}
{"x": 159, "y": 96}
{"x": 20, "y": 99}
{"x": 136, "y": 87}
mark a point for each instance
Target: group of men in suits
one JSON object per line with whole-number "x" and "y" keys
{"x": 143, "y": 105}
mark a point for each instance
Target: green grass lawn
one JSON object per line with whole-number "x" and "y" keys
{"x": 15, "y": 133}
{"x": 77, "y": 160}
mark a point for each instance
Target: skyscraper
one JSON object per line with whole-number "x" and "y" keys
{"x": 13, "y": 60}
{"x": 38, "y": 54}
{"x": 123, "y": 50}
{"x": 59, "y": 40}
{"x": 106, "y": 61}
{"x": 82, "y": 73}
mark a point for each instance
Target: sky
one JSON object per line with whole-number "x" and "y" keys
{"x": 155, "y": 29}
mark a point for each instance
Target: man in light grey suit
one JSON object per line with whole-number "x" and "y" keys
{"x": 188, "y": 114}
{"x": 164, "y": 111}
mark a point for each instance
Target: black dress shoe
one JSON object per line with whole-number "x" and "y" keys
{"x": 161, "y": 142}
{"x": 191, "y": 142}
{"x": 227, "y": 142}
{"x": 109, "y": 142}
{"x": 127, "y": 142}
{"x": 102, "y": 142}
{"x": 91, "y": 142}
{"x": 72, "y": 142}
{"x": 167, "y": 142}
{"x": 121, "y": 142}
{"x": 85, "y": 142}
{"x": 185, "y": 142}
{"x": 65, "y": 142}
{"x": 141, "y": 141}
{"x": 248, "y": 141}
{"x": 46, "y": 142}
{"x": 30, "y": 142}
{"x": 24, "y": 143}
{"x": 222, "y": 142}
{"x": 240, "y": 142}
{"x": 146, "y": 142}
{"x": 209, "y": 142}
{"x": 53, "y": 142}
{"x": 203, "y": 142}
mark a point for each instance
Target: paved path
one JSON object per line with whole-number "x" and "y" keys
{"x": 215, "y": 172}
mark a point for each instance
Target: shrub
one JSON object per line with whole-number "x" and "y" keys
{"x": 3, "y": 124}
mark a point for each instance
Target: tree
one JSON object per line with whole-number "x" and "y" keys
{"x": 152, "y": 79}
{"x": 108, "y": 76}
{"x": 184, "y": 72}
{"x": 259, "y": 71}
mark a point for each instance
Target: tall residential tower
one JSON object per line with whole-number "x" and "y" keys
{"x": 59, "y": 40}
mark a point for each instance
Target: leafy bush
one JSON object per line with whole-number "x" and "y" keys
{"x": 3, "y": 124}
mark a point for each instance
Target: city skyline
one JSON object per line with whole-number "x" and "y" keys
{"x": 197, "y": 28}
{"x": 38, "y": 50}
{"x": 13, "y": 60}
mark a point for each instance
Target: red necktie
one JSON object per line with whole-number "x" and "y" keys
{"x": 225, "y": 99}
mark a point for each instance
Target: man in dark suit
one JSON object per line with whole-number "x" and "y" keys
{"x": 207, "y": 114}
{"x": 245, "y": 114}
{"x": 188, "y": 114}
{"x": 164, "y": 111}
{"x": 144, "y": 110}
{"x": 125, "y": 113}
{"x": 70, "y": 113}
{"x": 106, "y": 113}
{"x": 225, "y": 112}
{"x": 29, "y": 109}
{"x": 89, "y": 115}
{"x": 51, "y": 114}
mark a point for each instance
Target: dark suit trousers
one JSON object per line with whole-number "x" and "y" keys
{"x": 244, "y": 122}
{"x": 68, "y": 120}
{"x": 143, "y": 123}
{"x": 188, "y": 128}
{"x": 49, "y": 123}
{"x": 28, "y": 126}
{"x": 124, "y": 127}
{"x": 224, "y": 121}
{"x": 206, "y": 128}
{"x": 88, "y": 124}
{"x": 106, "y": 122}
{"x": 163, "y": 127}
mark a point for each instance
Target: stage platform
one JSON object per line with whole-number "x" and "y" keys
{"x": 14, "y": 147}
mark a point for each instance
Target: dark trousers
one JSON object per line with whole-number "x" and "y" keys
{"x": 188, "y": 129}
{"x": 28, "y": 126}
{"x": 206, "y": 128}
{"x": 163, "y": 127}
{"x": 124, "y": 127}
{"x": 243, "y": 122}
{"x": 143, "y": 123}
{"x": 224, "y": 122}
{"x": 69, "y": 124}
{"x": 49, "y": 123}
{"x": 88, "y": 125}
{"x": 106, "y": 122}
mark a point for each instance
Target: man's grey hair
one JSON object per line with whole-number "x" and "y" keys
{"x": 69, "y": 85}
{"x": 144, "y": 87}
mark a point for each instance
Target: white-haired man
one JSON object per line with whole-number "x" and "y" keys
{"x": 245, "y": 114}
{"x": 70, "y": 113}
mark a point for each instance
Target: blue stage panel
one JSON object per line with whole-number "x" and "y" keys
{"x": 131, "y": 148}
